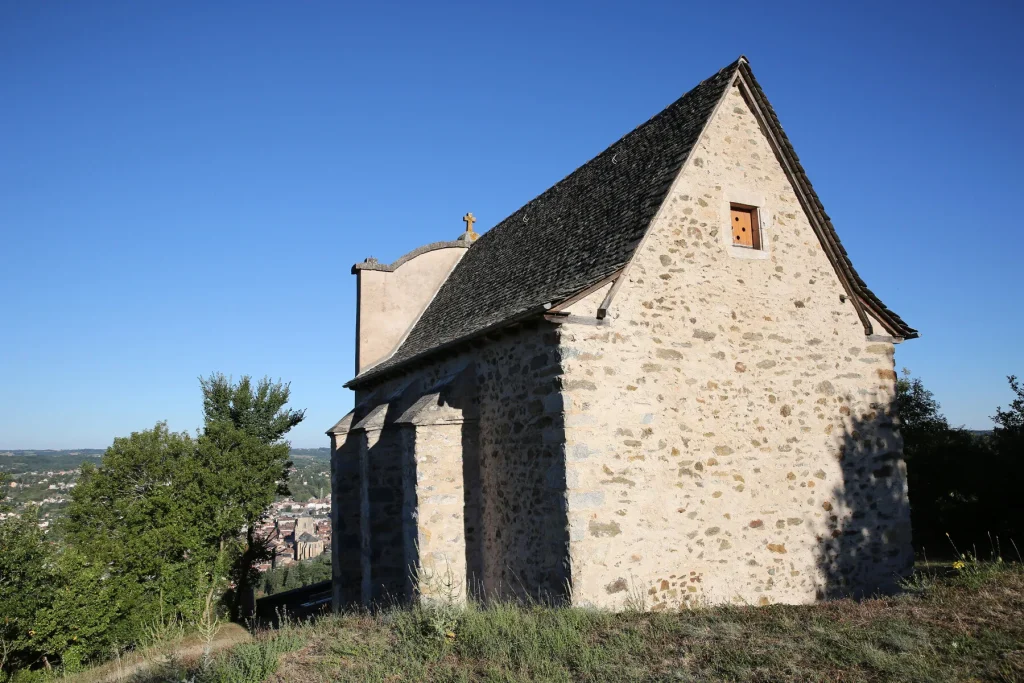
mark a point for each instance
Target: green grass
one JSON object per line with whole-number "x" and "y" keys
{"x": 962, "y": 625}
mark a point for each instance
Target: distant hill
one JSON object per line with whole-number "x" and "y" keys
{"x": 73, "y": 452}
{"x": 312, "y": 452}
{"x": 17, "y": 461}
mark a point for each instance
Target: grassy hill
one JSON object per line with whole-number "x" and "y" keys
{"x": 950, "y": 625}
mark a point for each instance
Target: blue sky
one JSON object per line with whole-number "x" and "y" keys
{"x": 185, "y": 185}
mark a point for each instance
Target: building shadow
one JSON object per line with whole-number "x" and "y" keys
{"x": 865, "y": 546}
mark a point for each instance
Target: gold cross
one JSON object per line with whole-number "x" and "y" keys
{"x": 469, "y": 218}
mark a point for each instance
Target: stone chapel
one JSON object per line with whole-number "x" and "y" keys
{"x": 660, "y": 383}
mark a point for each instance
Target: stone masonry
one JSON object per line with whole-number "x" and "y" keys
{"x": 731, "y": 420}
{"x": 462, "y": 478}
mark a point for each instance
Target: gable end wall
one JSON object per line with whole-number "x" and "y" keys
{"x": 728, "y": 429}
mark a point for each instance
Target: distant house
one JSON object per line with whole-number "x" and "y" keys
{"x": 662, "y": 376}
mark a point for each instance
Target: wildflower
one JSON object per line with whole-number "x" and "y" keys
{"x": 959, "y": 565}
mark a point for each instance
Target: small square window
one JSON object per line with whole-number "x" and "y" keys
{"x": 746, "y": 230}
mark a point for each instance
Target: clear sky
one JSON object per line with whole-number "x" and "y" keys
{"x": 185, "y": 185}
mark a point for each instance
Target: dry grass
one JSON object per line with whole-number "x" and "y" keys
{"x": 965, "y": 627}
{"x": 186, "y": 651}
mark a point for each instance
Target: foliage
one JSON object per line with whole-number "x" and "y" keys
{"x": 1004, "y": 510}
{"x": 243, "y": 438}
{"x": 90, "y": 613}
{"x": 152, "y": 535}
{"x": 258, "y": 411}
{"x": 138, "y": 544}
{"x": 961, "y": 484}
{"x": 296, "y": 575}
{"x": 26, "y": 586}
{"x": 938, "y": 476}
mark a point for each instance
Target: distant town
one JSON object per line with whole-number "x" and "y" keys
{"x": 298, "y": 526}
{"x": 297, "y": 531}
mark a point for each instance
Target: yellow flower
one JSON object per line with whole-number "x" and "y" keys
{"x": 959, "y": 565}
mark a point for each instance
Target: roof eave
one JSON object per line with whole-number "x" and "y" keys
{"x": 380, "y": 373}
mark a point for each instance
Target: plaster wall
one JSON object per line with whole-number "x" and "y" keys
{"x": 728, "y": 426}
{"x": 389, "y": 302}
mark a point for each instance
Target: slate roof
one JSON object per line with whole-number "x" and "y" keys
{"x": 582, "y": 230}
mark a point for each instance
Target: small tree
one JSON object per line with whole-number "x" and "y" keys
{"x": 244, "y": 429}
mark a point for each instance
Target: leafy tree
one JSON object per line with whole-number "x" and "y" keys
{"x": 135, "y": 515}
{"x": 292, "y": 579}
{"x": 26, "y": 586}
{"x": 5, "y": 479}
{"x": 258, "y": 411}
{"x": 146, "y": 531}
{"x": 1010, "y": 423}
{"x": 244, "y": 429}
{"x": 297, "y": 575}
{"x": 1002, "y": 503}
{"x": 88, "y": 612}
{"x": 961, "y": 484}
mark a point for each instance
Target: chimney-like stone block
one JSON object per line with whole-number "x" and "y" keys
{"x": 390, "y": 298}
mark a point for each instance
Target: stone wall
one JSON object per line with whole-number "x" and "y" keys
{"x": 499, "y": 471}
{"x": 436, "y": 507}
{"x": 728, "y": 426}
{"x": 307, "y": 550}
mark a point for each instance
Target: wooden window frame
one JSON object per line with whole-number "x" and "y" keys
{"x": 755, "y": 225}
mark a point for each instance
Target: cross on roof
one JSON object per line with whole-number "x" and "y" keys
{"x": 470, "y": 219}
